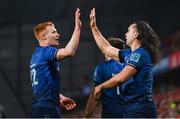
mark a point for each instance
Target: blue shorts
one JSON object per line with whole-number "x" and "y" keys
{"x": 52, "y": 111}
{"x": 140, "y": 110}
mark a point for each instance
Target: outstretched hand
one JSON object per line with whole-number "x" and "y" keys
{"x": 77, "y": 18}
{"x": 92, "y": 18}
{"x": 67, "y": 103}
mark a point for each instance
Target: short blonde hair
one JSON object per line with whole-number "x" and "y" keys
{"x": 40, "y": 27}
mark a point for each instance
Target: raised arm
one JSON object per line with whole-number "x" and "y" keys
{"x": 72, "y": 45}
{"x": 102, "y": 43}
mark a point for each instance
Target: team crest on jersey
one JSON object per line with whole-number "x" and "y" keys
{"x": 135, "y": 57}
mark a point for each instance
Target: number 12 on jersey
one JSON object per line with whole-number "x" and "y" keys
{"x": 33, "y": 77}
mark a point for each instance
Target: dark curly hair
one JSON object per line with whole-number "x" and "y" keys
{"x": 149, "y": 40}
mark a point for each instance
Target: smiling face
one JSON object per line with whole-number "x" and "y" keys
{"x": 51, "y": 35}
{"x": 131, "y": 34}
{"x": 46, "y": 34}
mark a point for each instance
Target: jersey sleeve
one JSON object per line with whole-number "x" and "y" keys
{"x": 136, "y": 60}
{"x": 97, "y": 76}
{"x": 50, "y": 53}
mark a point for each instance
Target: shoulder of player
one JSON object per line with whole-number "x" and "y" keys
{"x": 140, "y": 53}
{"x": 100, "y": 67}
{"x": 106, "y": 63}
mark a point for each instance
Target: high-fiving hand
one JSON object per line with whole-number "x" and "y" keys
{"x": 77, "y": 18}
{"x": 92, "y": 18}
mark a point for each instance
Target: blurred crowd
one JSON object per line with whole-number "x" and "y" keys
{"x": 171, "y": 43}
{"x": 168, "y": 103}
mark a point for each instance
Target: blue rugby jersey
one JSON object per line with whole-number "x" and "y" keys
{"x": 111, "y": 98}
{"x": 139, "y": 87}
{"x": 44, "y": 71}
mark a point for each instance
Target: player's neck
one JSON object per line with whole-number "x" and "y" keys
{"x": 43, "y": 43}
{"x": 135, "y": 45}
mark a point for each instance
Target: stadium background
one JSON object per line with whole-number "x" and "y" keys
{"x": 17, "y": 18}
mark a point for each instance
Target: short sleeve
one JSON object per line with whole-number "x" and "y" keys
{"x": 97, "y": 76}
{"x": 136, "y": 60}
{"x": 50, "y": 53}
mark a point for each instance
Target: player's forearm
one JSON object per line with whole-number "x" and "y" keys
{"x": 120, "y": 78}
{"x": 114, "y": 81}
{"x": 100, "y": 40}
{"x": 91, "y": 104}
{"x": 73, "y": 43}
{"x": 89, "y": 108}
